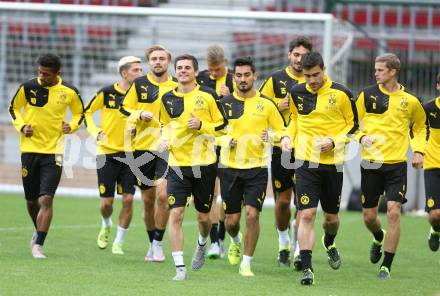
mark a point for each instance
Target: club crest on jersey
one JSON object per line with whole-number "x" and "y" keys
{"x": 403, "y": 104}
{"x": 260, "y": 107}
{"x": 332, "y": 99}
{"x": 199, "y": 101}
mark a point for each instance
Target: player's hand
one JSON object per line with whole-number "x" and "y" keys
{"x": 326, "y": 144}
{"x": 146, "y": 116}
{"x": 264, "y": 135}
{"x": 417, "y": 161}
{"x": 66, "y": 128}
{"x": 194, "y": 122}
{"x": 284, "y": 104}
{"x": 224, "y": 91}
{"x": 232, "y": 143}
{"x": 367, "y": 141}
{"x": 101, "y": 136}
{"x": 163, "y": 146}
{"x": 285, "y": 144}
{"x": 132, "y": 132}
{"x": 27, "y": 131}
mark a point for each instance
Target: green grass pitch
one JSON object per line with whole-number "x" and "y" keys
{"x": 75, "y": 265}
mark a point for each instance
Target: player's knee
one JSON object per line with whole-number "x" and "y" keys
{"x": 307, "y": 216}
{"x": 176, "y": 216}
{"x": 331, "y": 219}
{"x": 106, "y": 203}
{"x": 283, "y": 202}
{"x": 393, "y": 212}
{"x": 127, "y": 200}
{"x": 434, "y": 216}
{"x": 46, "y": 202}
{"x": 203, "y": 218}
{"x": 252, "y": 214}
{"x": 231, "y": 221}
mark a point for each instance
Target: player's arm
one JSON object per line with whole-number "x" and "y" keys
{"x": 129, "y": 106}
{"x": 165, "y": 122}
{"x": 349, "y": 112}
{"x": 218, "y": 121}
{"x": 96, "y": 103}
{"x": 360, "y": 107}
{"x": 18, "y": 102}
{"x": 77, "y": 109}
{"x": 267, "y": 89}
{"x": 288, "y": 139}
{"x": 419, "y": 129}
{"x": 277, "y": 124}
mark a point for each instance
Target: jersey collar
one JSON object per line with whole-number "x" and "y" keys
{"x": 328, "y": 82}
{"x": 257, "y": 95}
{"x": 151, "y": 79}
{"x": 293, "y": 76}
{"x": 118, "y": 89}
{"x": 179, "y": 94}
{"x": 58, "y": 83}
{"x": 382, "y": 89}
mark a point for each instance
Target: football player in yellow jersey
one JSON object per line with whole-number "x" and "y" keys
{"x": 432, "y": 170}
{"x": 142, "y": 105}
{"x": 41, "y": 125}
{"x": 323, "y": 119}
{"x": 110, "y": 148}
{"x": 388, "y": 113}
{"x": 276, "y": 87}
{"x": 191, "y": 118}
{"x": 244, "y": 160}
{"x": 219, "y": 78}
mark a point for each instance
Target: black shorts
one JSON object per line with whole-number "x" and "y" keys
{"x": 111, "y": 171}
{"x": 154, "y": 165}
{"x": 198, "y": 181}
{"x": 240, "y": 187}
{"x": 282, "y": 178}
{"x": 388, "y": 180}
{"x": 162, "y": 165}
{"x": 319, "y": 183}
{"x": 41, "y": 174}
{"x": 432, "y": 189}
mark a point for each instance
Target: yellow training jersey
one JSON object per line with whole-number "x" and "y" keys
{"x": 189, "y": 147}
{"x": 205, "y": 79}
{"x": 277, "y": 86}
{"x": 113, "y": 123}
{"x": 247, "y": 118}
{"x": 432, "y": 152}
{"x": 387, "y": 117}
{"x": 328, "y": 113}
{"x": 44, "y": 108}
{"x": 144, "y": 95}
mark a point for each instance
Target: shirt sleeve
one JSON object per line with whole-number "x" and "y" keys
{"x": 419, "y": 129}
{"x": 129, "y": 106}
{"x": 18, "y": 102}
{"x": 292, "y": 126}
{"x": 77, "y": 109}
{"x": 217, "y": 123}
{"x": 96, "y": 103}
{"x": 349, "y": 112}
{"x": 267, "y": 88}
{"x": 360, "y": 107}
